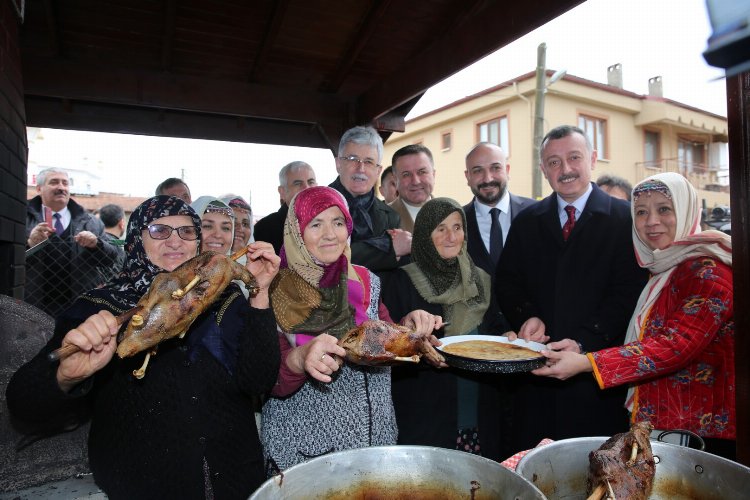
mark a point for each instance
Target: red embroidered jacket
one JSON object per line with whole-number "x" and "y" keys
{"x": 683, "y": 366}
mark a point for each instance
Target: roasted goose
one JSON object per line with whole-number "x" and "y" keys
{"x": 175, "y": 299}
{"x": 378, "y": 343}
{"x": 623, "y": 467}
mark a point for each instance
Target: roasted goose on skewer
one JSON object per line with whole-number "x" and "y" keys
{"x": 623, "y": 467}
{"x": 176, "y": 299}
{"x": 378, "y": 343}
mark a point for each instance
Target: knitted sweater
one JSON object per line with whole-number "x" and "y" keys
{"x": 185, "y": 430}
{"x": 353, "y": 411}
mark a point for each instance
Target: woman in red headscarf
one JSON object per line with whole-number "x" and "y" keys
{"x": 320, "y": 406}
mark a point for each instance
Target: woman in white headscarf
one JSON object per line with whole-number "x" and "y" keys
{"x": 217, "y": 224}
{"x": 678, "y": 355}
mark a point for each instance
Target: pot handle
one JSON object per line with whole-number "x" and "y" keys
{"x": 685, "y": 438}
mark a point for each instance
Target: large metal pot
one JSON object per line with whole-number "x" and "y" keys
{"x": 398, "y": 472}
{"x": 560, "y": 471}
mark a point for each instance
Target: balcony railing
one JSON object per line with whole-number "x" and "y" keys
{"x": 700, "y": 175}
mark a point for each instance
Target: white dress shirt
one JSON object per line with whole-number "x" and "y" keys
{"x": 484, "y": 219}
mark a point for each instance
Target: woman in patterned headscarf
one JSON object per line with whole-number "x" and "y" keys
{"x": 185, "y": 430}
{"x": 678, "y": 355}
{"x": 217, "y": 224}
{"x": 319, "y": 405}
{"x": 463, "y": 408}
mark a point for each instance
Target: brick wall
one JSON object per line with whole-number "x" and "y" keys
{"x": 13, "y": 155}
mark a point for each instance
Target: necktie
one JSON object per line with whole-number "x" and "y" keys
{"x": 496, "y": 236}
{"x": 58, "y": 225}
{"x": 568, "y": 227}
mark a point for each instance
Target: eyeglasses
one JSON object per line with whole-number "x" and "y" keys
{"x": 163, "y": 232}
{"x": 355, "y": 161}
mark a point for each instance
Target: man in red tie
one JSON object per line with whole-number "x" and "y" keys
{"x": 568, "y": 270}
{"x": 67, "y": 265}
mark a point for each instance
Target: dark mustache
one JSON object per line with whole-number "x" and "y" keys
{"x": 489, "y": 184}
{"x": 566, "y": 177}
{"x": 60, "y": 191}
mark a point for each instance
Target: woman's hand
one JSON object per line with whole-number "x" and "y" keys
{"x": 263, "y": 262}
{"x": 565, "y": 345}
{"x": 564, "y": 364}
{"x": 533, "y": 329}
{"x": 422, "y": 322}
{"x": 96, "y": 342}
{"x": 319, "y": 358}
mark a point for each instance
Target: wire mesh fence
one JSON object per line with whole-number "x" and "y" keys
{"x": 59, "y": 270}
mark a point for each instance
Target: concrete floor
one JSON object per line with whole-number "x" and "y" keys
{"x": 79, "y": 487}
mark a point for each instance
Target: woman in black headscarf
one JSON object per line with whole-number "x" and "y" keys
{"x": 186, "y": 429}
{"x": 445, "y": 407}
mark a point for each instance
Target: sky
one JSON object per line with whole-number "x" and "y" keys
{"x": 648, "y": 37}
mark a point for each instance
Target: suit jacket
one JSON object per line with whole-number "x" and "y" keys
{"x": 407, "y": 223}
{"x": 585, "y": 289}
{"x": 271, "y": 228}
{"x": 474, "y": 243}
{"x": 481, "y": 257}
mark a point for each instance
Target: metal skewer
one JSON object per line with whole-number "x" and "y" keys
{"x": 68, "y": 349}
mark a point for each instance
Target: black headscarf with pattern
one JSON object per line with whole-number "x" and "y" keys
{"x": 138, "y": 271}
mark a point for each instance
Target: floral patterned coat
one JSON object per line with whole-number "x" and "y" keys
{"x": 683, "y": 365}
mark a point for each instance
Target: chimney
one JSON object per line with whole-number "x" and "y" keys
{"x": 614, "y": 75}
{"x": 654, "y": 87}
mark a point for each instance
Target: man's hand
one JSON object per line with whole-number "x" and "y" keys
{"x": 86, "y": 239}
{"x": 41, "y": 232}
{"x": 533, "y": 329}
{"x": 401, "y": 241}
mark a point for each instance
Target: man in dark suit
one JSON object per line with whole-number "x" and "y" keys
{"x": 487, "y": 174}
{"x": 568, "y": 270}
{"x": 377, "y": 241}
{"x": 293, "y": 178}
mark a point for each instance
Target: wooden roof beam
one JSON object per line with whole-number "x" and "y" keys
{"x": 154, "y": 89}
{"x": 467, "y": 42}
{"x": 361, "y": 37}
{"x": 269, "y": 39}
{"x": 167, "y": 45}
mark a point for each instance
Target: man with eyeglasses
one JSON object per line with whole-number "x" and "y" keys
{"x": 293, "y": 178}
{"x": 377, "y": 241}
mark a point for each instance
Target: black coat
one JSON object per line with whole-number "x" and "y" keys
{"x": 186, "y": 424}
{"x": 584, "y": 289}
{"x": 271, "y": 228}
{"x": 426, "y": 398}
{"x": 478, "y": 252}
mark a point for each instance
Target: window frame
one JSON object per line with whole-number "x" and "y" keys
{"x": 601, "y": 153}
{"x": 499, "y": 117}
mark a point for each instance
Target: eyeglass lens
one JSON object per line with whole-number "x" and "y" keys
{"x": 163, "y": 232}
{"x": 355, "y": 160}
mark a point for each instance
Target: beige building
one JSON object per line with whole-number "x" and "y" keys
{"x": 635, "y": 135}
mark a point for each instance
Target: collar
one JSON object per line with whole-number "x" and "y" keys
{"x": 503, "y": 204}
{"x": 580, "y": 203}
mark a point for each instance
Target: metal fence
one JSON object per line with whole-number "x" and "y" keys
{"x": 59, "y": 270}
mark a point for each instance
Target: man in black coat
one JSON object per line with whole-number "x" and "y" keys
{"x": 377, "y": 241}
{"x": 487, "y": 174}
{"x": 568, "y": 270}
{"x": 293, "y": 178}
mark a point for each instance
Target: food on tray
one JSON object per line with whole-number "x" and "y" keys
{"x": 623, "y": 467}
{"x": 490, "y": 350}
{"x": 376, "y": 342}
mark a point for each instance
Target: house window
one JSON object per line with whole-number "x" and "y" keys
{"x": 495, "y": 131}
{"x": 691, "y": 156}
{"x": 446, "y": 141}
{"x": 651, "y": 148}
{"x": 596, "y": 131}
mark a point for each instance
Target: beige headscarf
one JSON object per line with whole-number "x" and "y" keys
{"x": 689, "y": 243}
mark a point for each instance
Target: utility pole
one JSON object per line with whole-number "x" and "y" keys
{"x": 541, "y": 70}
